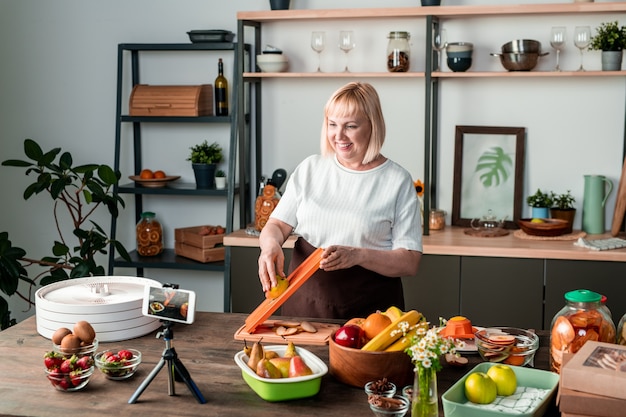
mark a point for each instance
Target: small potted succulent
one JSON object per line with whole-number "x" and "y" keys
{"x": 540, "y": 203}
{"x": 220, "y": 179}
{"x": 563, "y": 208}
{"x": 204, "y": 159}
{"x": 610, "y": 38}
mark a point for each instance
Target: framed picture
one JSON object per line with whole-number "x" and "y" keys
{"x": 488, "y": 174}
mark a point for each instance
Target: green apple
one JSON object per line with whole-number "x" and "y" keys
{"x": 480, "y": 388}
{"x": 505, "y": 379}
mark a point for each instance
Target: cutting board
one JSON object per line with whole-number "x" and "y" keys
{"x": 620, "y": 204}
{"x": 298, "y": 277}
{"x": 266, "y": 332}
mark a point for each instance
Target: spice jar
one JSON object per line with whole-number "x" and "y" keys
{"x": 398, "y": 52}
{"x": 149, "y": 235}
{"x": 583, "y": 318}
{"x": 437, "y": 219}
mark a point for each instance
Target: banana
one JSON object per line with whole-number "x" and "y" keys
{"x": 394, "y": 313}
{"x": 393, "y": 332}
{"x": 405, "y": 341}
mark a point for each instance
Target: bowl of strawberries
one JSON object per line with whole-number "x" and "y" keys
{"x": 118, "y": 364}
{"x": 68, "y": 372}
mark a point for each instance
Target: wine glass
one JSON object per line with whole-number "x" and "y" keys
{"x": 440, "y": 41}
{"x": 582, "y": 39}
{"x": 318, "y": 40}
{"x": 557, "y": 41}
{"x": 346, "y": 43}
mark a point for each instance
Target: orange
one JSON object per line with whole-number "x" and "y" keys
{"x": 146, "y": 174}
{"x": 159, "y": 174}
{"x": 375, "y": 323}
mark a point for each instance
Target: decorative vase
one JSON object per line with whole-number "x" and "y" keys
{"x": 431, "y": 2}
{"x": 205, "y": 175}
{"x": 612, "y": 60}
{"x": 540, "y": 212}
{"x": 564, "y": 214}
{"x": 425, "y": 402}
{"x": 279, "y": 4}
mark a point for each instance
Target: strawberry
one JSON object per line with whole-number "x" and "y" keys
{"x": 66, "y": 366}
{"x": 113, "y": 358}
{"x": 52, "y": 360}
{"x": 84, "y": 363}
{"x": 75, "y": 378}
{"x": 125, "y": 354}
{"x": 65, "y": 383}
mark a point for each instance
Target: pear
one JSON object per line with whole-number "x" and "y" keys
{"x": 266, "y": 369}
{"x": 290, "y": 352}
{"x": 256, "y": 355}
{"x": 269, "y": 354}
{"x": 282, "y": 364}
{"x": 297, "y": 367}
{"x": 281, "y": 287}
{"x": 246, "y": 349}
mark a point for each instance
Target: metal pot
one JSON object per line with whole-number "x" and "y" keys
{"x": 522, "y": 46}
{"x": 514, "y": 61}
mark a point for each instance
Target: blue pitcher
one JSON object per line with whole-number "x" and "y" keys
{"x": 597, "y": 191}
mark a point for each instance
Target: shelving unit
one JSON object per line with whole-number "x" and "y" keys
{"x": 168, "y": 259}
{"x": 433, "y": 16}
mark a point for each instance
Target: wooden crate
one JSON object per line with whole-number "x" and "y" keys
{"x": 202, "y": 248}
{"x": 171, "y": 100}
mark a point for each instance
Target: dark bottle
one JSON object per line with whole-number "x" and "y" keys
{"x": 221, "y": 91}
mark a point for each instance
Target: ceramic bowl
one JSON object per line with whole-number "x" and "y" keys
{"x": 272, "y": 62}
{"x": 459, "y": 64}
{"x": 459, "y": 48}
{"x": 508, "y": 345}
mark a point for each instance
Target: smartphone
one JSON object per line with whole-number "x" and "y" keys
{"x": 169, "y": 304}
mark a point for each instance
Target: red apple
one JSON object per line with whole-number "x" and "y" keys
{"x": 351, "y": 336}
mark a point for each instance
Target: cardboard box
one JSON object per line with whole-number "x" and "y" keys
{"x": 597, "y": 368}
{"x": 171, "y": 100}
{"x": 582, "y": 403}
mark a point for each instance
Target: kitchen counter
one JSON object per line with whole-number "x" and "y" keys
{"x": 206, "y": 348}
{"x": 454, "y": 241}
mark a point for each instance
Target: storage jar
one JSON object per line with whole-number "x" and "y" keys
{"x": 437, "y": 219}
{"x": 621, "y": 331}
{"x": 581, "y": 319}
{"x": 149, "y": 235}
{"x": 398, "y": 52}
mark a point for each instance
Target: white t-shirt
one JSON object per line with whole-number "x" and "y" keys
{"x": 329, "y": 204}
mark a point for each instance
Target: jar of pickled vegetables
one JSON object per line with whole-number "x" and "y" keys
{"x": 583, "y": 318}
{"x": 621, "y": 331}
{"x": 149, "y": 235}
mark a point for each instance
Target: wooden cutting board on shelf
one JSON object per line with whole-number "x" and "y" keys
{"x": 620, "y": 204}
{"x": 257, "y": 324}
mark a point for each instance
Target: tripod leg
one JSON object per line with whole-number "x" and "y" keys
{"x": 146, "y": 381}
{"x": 186, "y": 377}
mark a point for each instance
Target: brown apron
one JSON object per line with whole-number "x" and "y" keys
{"x": 343, "y": 294}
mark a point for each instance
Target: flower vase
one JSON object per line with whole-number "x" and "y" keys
{"x": 425, "y": 402}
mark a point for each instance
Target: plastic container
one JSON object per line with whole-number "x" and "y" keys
{"x": 149, "y": 235}
{"x": 581, "y": 319}
{"x": 398, "y": 52}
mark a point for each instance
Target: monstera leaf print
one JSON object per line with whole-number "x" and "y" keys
{"x": 494, "y": 167}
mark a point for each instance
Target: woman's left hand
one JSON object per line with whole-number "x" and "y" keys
{"x": 339, "y": 257}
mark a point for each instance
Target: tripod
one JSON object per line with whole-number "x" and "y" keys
{"x": 174, "y": 367}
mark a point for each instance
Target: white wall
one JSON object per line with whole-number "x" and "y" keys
{"x": 58, "y": 84}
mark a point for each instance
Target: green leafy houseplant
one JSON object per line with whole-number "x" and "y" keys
{"x": 220, "y": 173}
{"x": 540, "y": 199}
{"x": 80, "y": 190}
{"x": 206, "y": 154}
{"x": 609, "y": 37}
{"x": 563, "y": 201}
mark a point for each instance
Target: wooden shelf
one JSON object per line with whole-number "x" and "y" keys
{"x": 443, "y": 74}
{"x": 333, "y": 75}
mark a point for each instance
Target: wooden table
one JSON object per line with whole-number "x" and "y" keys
{"x": 206, "y": 348}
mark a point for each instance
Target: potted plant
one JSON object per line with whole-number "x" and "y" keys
{"x": 610, "y": 38}
{"x": 540, "y": 203}
{"x": 204, "y": 159}
{"x": 563, "y": 208}
{"x": 220, "y": 179}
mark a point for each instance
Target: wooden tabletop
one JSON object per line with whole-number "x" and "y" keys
{"x": 206, "y": 348}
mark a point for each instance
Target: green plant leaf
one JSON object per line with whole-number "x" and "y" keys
{"x": 16, "y": 163}
{"x": 107, "y": 175}
{"x": 59, "y": 249}
{"x": 495, "y": 165}
{"x": 32, "y": 150}
{"x": 65, "y": 161}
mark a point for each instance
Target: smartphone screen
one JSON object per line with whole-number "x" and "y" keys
{"x": 170, "y": 304}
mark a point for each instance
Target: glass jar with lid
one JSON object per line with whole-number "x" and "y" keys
{"x": 398, "y": 52}
{"x": 149, "y": 235}
{"x": 621, "y": 331}
{"x": 581, "y": 319}
{"x": 437, "y": 219}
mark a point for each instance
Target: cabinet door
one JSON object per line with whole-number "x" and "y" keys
{"x": 246, "y": 293}
{"x": 434, "y": 291}
{"x": 607, "y": 278}
{"x": 502, "y": 291}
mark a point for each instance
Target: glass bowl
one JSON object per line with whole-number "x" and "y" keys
{"x": 81, "y": 351}
{"x": 380, "y": 387}
{"x": 398, "y": 408}
{"x": 68, "y": 382}
{"x": 508, "y": 345}
{"x": 117, "y": 364}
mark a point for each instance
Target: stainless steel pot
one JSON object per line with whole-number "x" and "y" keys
{"x": 522, "y": 46}
{"x": 514, "y": 61}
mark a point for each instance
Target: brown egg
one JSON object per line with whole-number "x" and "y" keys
{"x": 70, "y": 343}
{"x": 60, "y": 334}
{"x": 85, "y": 331}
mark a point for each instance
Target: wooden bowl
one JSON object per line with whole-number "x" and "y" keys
{"x": 549, "y": 227}
{"x": 357, "y": 367}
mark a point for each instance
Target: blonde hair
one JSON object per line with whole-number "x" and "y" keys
{"x": 356, "y": 99}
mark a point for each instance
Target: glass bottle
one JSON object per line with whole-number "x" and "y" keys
{"x": 149, "y": 235}
{"x": 581, "y": 319}
{"x": 398, "y": 52}
{"x": 221, "y": 91}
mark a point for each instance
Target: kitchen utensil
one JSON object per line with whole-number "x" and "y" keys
{"x": 620, "y": 203}
{"x": 519, "y": 61}
{"x": 522, "y": 45}
{"x": 278, "y": 178}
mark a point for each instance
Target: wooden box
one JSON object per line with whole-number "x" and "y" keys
{"x": 190, "y": 243}
{"x": 171, "y": 100}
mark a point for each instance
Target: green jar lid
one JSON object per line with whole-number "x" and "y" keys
{"x": 583, "y": 296}
{"x": 148, "y": 214}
